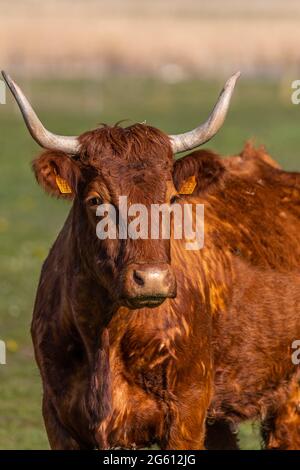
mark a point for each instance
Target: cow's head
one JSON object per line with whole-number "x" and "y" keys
{"x": 100, "y": 166}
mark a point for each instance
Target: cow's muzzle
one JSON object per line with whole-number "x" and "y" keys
{"x": 148, "y": 285}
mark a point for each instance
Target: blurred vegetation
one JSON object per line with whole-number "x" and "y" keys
{"x": 30, "y": 221}
{"x": 203, "y": 38}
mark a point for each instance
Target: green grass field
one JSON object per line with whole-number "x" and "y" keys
{"x": 30, "y": 221}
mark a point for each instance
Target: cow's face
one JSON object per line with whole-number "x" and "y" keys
{"x": 115, "y": 163}
{"x": 102, "y": 165}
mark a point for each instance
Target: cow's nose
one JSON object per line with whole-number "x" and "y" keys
{"x": 148, "y": 284}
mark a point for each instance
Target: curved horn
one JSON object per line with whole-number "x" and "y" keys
{"x": 41, "y": 135}
{"x": 206, "y": 131}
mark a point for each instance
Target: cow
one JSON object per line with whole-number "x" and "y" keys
{"x": 143, "y": 341}
{"x": 256, "y": 168}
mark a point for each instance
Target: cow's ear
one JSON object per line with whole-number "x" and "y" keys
{"x": 57, "y": 173}
{"x": 198, "y": 172}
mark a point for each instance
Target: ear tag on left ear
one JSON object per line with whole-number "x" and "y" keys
{"x": 63, "y": 185}
{"x": 188, "y": 185}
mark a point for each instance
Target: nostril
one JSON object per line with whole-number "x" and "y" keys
{"x": 138, "y": 278}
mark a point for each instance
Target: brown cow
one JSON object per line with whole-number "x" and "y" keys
{"x": 126, "y": 358}
{"x": 256, "y": 168}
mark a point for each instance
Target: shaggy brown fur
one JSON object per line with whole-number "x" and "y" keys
{"x": 205, "y": 165}
{"x": 116, "y": 377}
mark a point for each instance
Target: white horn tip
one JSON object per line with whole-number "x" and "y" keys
{"x": 232, "y": 80}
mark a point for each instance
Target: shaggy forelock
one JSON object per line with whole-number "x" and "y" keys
{"x": 132, "y": 144}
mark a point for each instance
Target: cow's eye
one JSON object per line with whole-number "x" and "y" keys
{"x": 94, "y": 201}
{"x": 174, "y": 199}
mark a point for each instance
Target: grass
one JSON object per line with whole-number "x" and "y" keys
{"x": 29, "y": 220}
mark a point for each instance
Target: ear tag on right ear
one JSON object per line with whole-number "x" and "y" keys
{"x": 62, "y": 185}
{"x": 188, "y": 185}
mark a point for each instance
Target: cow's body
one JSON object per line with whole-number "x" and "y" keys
{"x": 116, "y": 377}
{"x": 139, "y": 340}
{"x": 136, "y": 396}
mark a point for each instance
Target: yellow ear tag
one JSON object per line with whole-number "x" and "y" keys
{"x": 188, "y": 185}
{"x": 63, "y": 185}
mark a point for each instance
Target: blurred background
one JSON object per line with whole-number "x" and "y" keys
{"x": 86, "y": 62}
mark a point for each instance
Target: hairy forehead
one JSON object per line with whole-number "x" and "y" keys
{"x": 139, "y": 184}
{"x": 135, "y": 147}
{"x": 136, "y": 160}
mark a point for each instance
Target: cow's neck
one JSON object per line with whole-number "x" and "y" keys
{"x": 89, "y": 307}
